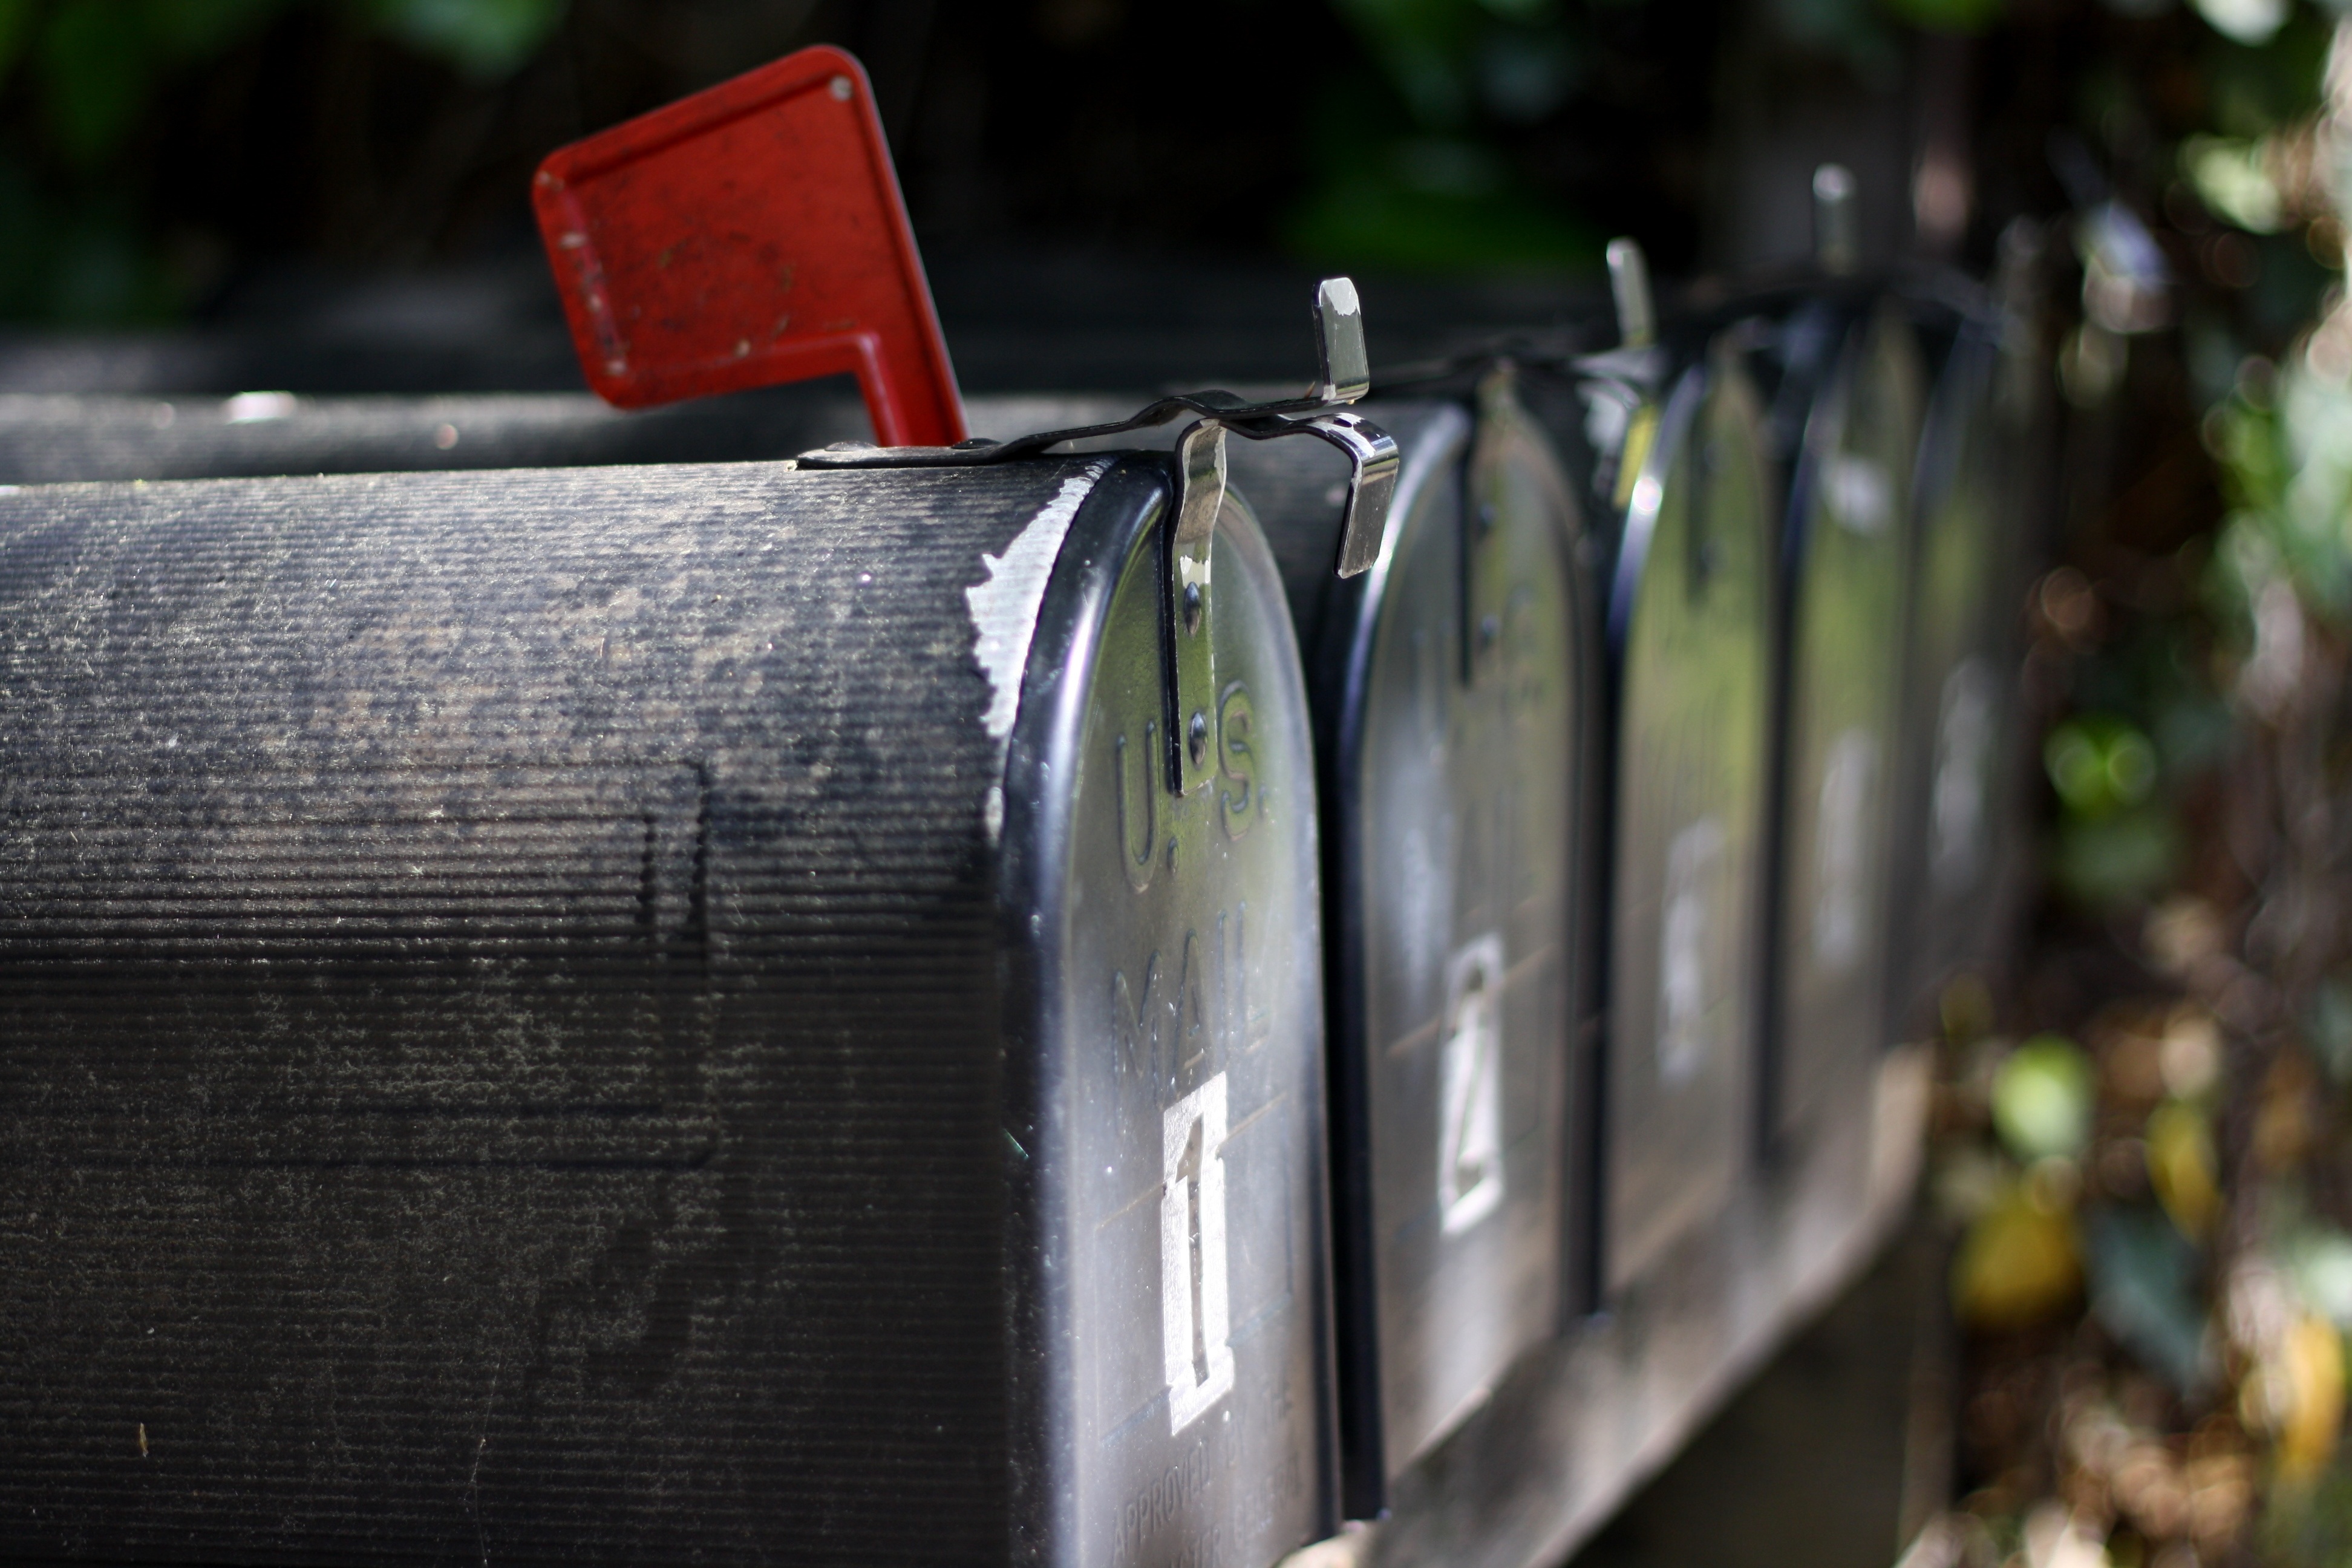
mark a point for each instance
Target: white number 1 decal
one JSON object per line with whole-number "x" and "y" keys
{"x": 1194, "y": 1312}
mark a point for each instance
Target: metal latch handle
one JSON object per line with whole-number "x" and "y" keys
{"x": 1373, "y": 464}
{"x": 1343, "y": 375}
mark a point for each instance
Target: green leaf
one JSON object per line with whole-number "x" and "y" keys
{"x": 2041, "y": 1100}
{"x": 2099, "y": 764}
{"x": 2321, "y": 1259}
{"x": 2232, "y": 178}
{"x": 2143, "y": 1274}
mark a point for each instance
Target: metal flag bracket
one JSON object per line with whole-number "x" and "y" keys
{"x": 1344, "y": 377}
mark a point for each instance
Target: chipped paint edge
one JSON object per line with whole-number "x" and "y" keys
{"x": 1004, "y": 610}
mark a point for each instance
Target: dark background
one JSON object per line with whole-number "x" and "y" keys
{"x": 353, "y": 171}
{"x": 1107, "y": 191}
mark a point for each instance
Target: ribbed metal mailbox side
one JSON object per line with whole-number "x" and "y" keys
{"x": 60, "y": 440}
{"x": 1449, "y": 705}
{"x": 528, "y": 1037}
{"x": 1690, "y": 632}
{"x": 1846, "y": 559}
{"x": 65, "y": 439}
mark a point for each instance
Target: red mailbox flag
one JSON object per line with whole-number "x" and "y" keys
{"x": 750, "y": 234}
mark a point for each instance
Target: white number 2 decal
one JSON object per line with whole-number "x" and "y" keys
{"x": 1470, "y": 1087}
{"x": 1194, "y": 1310}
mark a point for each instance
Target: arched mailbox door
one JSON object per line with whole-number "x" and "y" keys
{"x": 1447, "y": 688}
{"x": 652, "y": 1013}
{"x": 1961, "y": 690}
{"x": 1690, "y": 628}
{"x": 1846, "y": 555}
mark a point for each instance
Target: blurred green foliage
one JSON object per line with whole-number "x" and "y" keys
{"x": 2287, "y": 454}
{"x": 2144, "y": 1290}
{"x": 2198, "y": 644}
{"x": 484, "y": 39}
{"x": 1411, "y": 164}
{"x": 2100, "y": 764}
{"x": 2117, "y": 844}
{"x": 2041, "y": 1100}
{"x": 81, "y": 81}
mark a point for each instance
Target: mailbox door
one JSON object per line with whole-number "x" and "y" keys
{"x": 1172, "y": 1138}
{"x": 1453, "y": 795}
{"x": 1848, "y": 550}
{"x": 1691, "y": 630}
{"x": 1960, "y": 692}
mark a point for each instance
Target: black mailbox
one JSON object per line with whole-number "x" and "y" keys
{"x": 1848, "y": 398}
{"x": 1961, "y": 683}
{"x": 1449, "y": 686}
{"x": 664, "y": 1013}
{"x": 1690, "y": 624}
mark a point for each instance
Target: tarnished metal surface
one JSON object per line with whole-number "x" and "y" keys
{"x": 1690, "y": 622}
{"x": 637, "y": 1014}
{"x": 1450, "y": 695}
{"x": 1177, "y": 1157}
{"x": 1961, "y": 682}
{"x": 1847, "y": 552}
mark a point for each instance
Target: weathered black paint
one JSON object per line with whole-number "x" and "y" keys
{"x": 523, "y": 1043}
{"x": 1450, "y": 685}
{"x": 1844, "y": 380}
{"x": 1693, "y": 661}
{"x": 1977, "y": 494}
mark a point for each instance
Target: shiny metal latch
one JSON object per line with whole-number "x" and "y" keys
{"x": 1343, "y": 375}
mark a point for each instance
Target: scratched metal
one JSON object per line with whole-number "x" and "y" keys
{"x": 528, "y": 1039}
{"x": 1691, "y": 625}
{"x": 1446, "y": 689}
{"x": 1846, "y": 555}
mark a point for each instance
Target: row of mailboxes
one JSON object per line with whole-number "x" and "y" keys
{"x": 906, "y": 1014}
